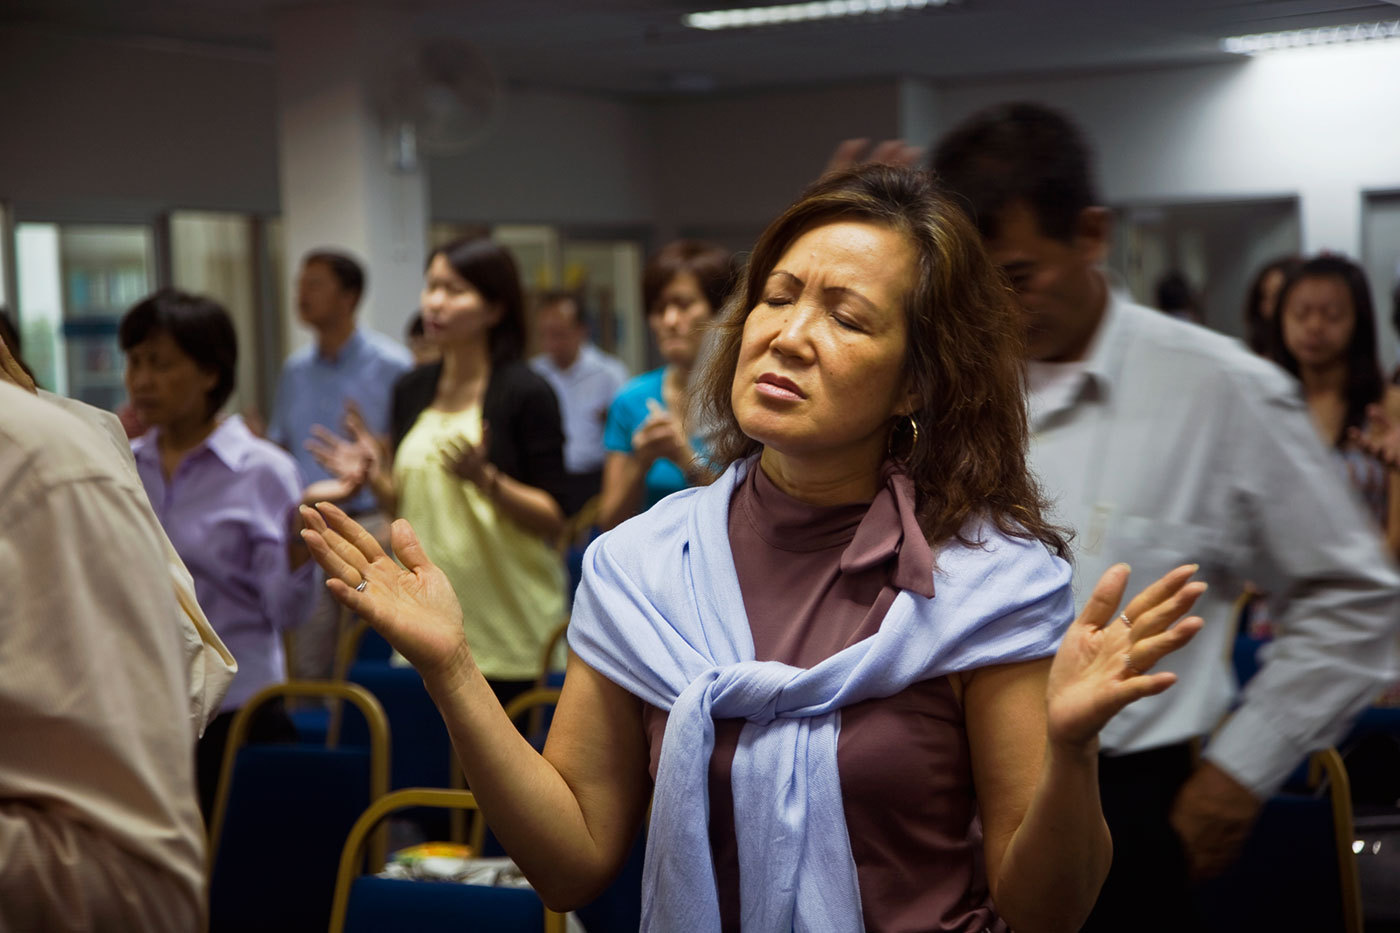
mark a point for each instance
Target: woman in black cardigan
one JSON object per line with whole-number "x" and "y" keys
{"x": 476, "y": 462}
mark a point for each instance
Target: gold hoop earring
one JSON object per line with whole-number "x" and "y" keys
{"x": 913, "y": 440}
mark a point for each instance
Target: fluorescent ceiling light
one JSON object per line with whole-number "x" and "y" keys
{"x": 1300, "y": 38}
{"x": 749, "y": 17}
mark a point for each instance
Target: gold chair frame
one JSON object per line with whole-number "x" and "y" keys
{"x": 238, "y": 734}
{"x": 353, "y": 853}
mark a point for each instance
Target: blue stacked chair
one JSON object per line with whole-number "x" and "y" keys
{"x": 282, "y": 815}
{"x": 368, "y": 904}
{"x": 1297, "y": 870}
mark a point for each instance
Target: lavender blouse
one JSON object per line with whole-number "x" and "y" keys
{"x": 226, "y": 510}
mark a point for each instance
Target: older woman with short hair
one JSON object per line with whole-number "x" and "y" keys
{"x": 226, "y": 499}
{"x": 831, "y": 670}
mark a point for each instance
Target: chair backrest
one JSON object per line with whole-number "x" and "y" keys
{"x": 363, "y": 904}
{"x": 422, "y": 753}
{"x": 282, "y": 815}
{"x": 533, "y": 712}
{"x": 1297, "y": 870}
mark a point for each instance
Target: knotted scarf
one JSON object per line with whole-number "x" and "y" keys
{"x": 659, "y": 613}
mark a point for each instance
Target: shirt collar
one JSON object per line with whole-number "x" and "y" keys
{"x": 1104, "y": 362}
{"x": 348, "y": 352}
{"x": 230, "y": 443}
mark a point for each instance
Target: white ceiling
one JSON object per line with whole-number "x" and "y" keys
{"x": 634, "y": 47}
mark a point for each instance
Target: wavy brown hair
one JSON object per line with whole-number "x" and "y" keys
{"x": 964, "y": 359}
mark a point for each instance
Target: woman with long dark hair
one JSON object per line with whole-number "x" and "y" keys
{"x": 476, "y": 461}
{"x": 1325, "y": 334}
{"x": 829, "y": 672}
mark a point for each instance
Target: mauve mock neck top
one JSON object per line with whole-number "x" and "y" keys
{"x": 814, "y": 580}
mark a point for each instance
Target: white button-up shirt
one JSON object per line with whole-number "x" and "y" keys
{"x": 1172, "y": 444}
{"x": 585, "y": 391}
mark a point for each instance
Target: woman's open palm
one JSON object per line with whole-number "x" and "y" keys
{"x": 1105, "y": 659}
{"x": 413, "y": 606}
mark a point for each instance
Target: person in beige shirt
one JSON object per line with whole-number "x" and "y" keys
{"x": 99, "y": 829}
{"x": 208, "y": 664}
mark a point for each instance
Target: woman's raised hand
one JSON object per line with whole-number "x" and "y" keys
{"x": 413, "y": 606}
{"x": 661, "y": 436}
{"x": 469, "y": 461}
{"x": 346, "y": 460}
{"x": 1106, "y": 658}
{"x": 1380, "y": 438}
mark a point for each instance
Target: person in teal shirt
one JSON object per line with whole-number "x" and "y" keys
{"x": 651, "y": 451}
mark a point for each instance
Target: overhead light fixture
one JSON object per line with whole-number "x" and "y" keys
{"x": 1303, "y": 38}
{"x": 750, "y": 17}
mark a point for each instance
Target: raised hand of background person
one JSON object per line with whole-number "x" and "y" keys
{"x": 661, "y": 436}
{"x": 894, "y": 152}
{"x": 469, "y": 461}
{"x": 413, "y": 606}
{"x": 1106, "y": 657}
{"x": 1381, "y": 436}
{"x": 348, "y": 461}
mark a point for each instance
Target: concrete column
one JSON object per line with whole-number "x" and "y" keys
{"x": 338, "y": 186}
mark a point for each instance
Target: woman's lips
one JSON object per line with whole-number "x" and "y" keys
{"x": 775, "y": 386}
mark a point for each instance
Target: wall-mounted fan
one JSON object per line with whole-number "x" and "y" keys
{"x": 436, "y": 97}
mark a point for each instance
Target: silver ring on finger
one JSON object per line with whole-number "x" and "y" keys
{"x": 364, "y": 582}
{"x": 1128, "y": 662}
{"x": 1127, "y": 622}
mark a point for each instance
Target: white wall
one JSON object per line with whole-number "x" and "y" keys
{"x": 554, "y": 158}
{"x": 728, "y": 165}
{"x": 1319, "y": 123}
{"x": 100, "y": 129}
{"x": 103, "y": 130}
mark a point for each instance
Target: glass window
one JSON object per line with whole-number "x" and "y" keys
{"x": 1217, "y": 247}
{"x": 212, "y": 254}
{"x": 74, "y": 284}
{"x": 1381, "y": 254}
{"x": 39, "y": 309}
{"x": 609, "y": 275}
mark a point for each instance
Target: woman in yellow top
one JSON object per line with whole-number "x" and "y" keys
{"x": 477, "y": 461}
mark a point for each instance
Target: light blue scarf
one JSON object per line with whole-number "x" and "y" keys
{"x": 659, "y": 613}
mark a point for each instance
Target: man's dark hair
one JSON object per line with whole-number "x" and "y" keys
{"x": 557, "y": 296}
{"x": 349, "y": 273}
{"x": 200, "y": 327}
{"x": 1018, "y": 152}
{"x": 1174, "y": 292}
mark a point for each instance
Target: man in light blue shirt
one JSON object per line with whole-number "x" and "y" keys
{"x": 1163, "y": 443}
{"x": 346, "y": 365}
{"x": 585, "y": 379}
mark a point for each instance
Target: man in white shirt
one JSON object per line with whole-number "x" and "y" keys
{"x": 1162, "y": 443}
{"x": 585, "y": 379}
